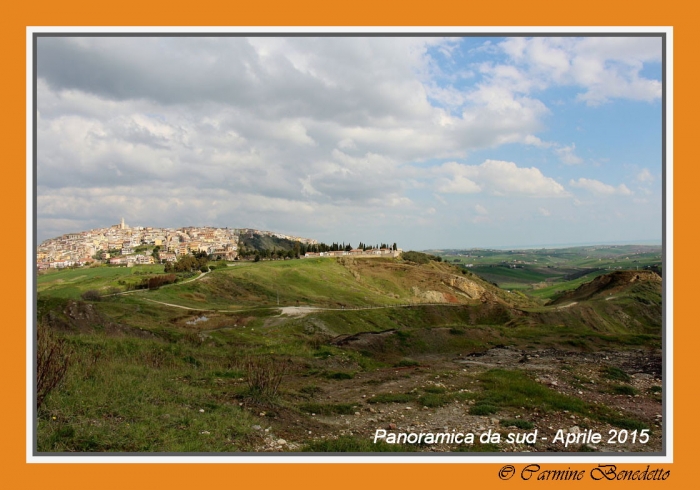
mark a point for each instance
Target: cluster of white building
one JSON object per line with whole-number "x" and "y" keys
{"x": 356, "y": 252}
{"x": 82, "y": 248}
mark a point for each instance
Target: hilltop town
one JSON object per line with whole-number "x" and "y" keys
{"x": 121, "y": 244}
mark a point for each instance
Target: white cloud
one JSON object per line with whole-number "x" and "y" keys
{"x": 645, "y": 176}
{"x": 267, "y": 132}
{"x": 566, "y": 155}
{"x": 544, "y": 211}
{"x": 307, "y": 189}
{"x": 604, "y": 67}
{"x": 346, "y": 144}
{"x": 292, "y": 131}
{"x": 535, "y": 141}
{"x": 256, "y": 115}
{"x": 393, "y": 201}
{"x": 599, "y": 188}
{"x": 499, "y": 178}
{"x": 458, "y": 185}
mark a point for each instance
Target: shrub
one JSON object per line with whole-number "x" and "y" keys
{"x": 192, "y": 338}
{"x": 434, "y": 389}
{"x": 407, "y": 363}
{"x": 328, "y": 408}
{"x": 157, "y": 357}
{"x": 311, "y": 390}
{"x": 190, "y": 360}
{"x": 340, "y": 375}
{"x": 519, "y": 423}
{"x": 91, "y": 295}
{"x": 391, "y": 398}
{"x": 264, "y": 376}
{"x": 53, "y": 356}
{"x": 161, "y": 280}
{"x": 434, "y": 400}
{"x": 482, "y": 409}
{"x": 419, "y": 257}
{"x": 611, "y": 372}
{"x": 623, "y": 390}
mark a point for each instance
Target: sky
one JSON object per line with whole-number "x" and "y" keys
{"x": 424, "y": 141}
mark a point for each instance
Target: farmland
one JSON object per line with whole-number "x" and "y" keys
{"x": 543, "y": 273}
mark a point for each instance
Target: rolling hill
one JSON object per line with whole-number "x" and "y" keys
{"x": 321, "y": 351}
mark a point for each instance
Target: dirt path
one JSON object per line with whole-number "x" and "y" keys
{"x": 299, "y": 310}
{"x": 296, "y": 311}
{"x": 179, "y": 306}
{"x": 305, "y": 310}
{"x": 201, "y": 275}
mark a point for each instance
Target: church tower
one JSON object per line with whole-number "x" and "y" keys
{"x": 122, "y": 226}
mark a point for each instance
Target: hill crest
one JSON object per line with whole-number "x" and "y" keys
{"x": 607, "y": 285}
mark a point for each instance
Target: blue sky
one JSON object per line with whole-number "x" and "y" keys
{"x": 427, "y": 142}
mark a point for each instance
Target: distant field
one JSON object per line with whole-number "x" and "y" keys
{"x": 559, "y": 257}
{"x": 523, "y": 274}
{"x": 543, "y": 273}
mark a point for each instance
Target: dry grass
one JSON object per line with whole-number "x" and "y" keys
{"x": 264, "y": 375}
{"x": 53, "y": 356}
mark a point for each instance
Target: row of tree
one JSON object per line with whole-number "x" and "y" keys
{"x": 300, "y": 249}
{"x": 188, "y": 263}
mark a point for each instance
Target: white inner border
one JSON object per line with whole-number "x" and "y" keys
{"x": 522, "y": 458}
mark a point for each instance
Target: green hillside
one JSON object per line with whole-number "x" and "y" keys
{"x": 71, "y": 283}
{"x": 265, "y": 242}
{"x": 302, "y": 347}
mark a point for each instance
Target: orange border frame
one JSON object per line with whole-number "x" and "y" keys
{"x": 312, "y": 13}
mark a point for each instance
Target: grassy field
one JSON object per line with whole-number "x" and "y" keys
{"x": 318, "y": 282}
{"x": 233, "y": 373}
{"x": 187, "y": 389}
{"x": 324, "y": 282}
{"x": 71, "y": 283}
{"x": 137, "y": 395}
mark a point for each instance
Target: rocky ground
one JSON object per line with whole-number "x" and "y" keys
{"x": 586, "y": 376}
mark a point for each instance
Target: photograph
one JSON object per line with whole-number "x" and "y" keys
{"x": 446, "y": 244}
